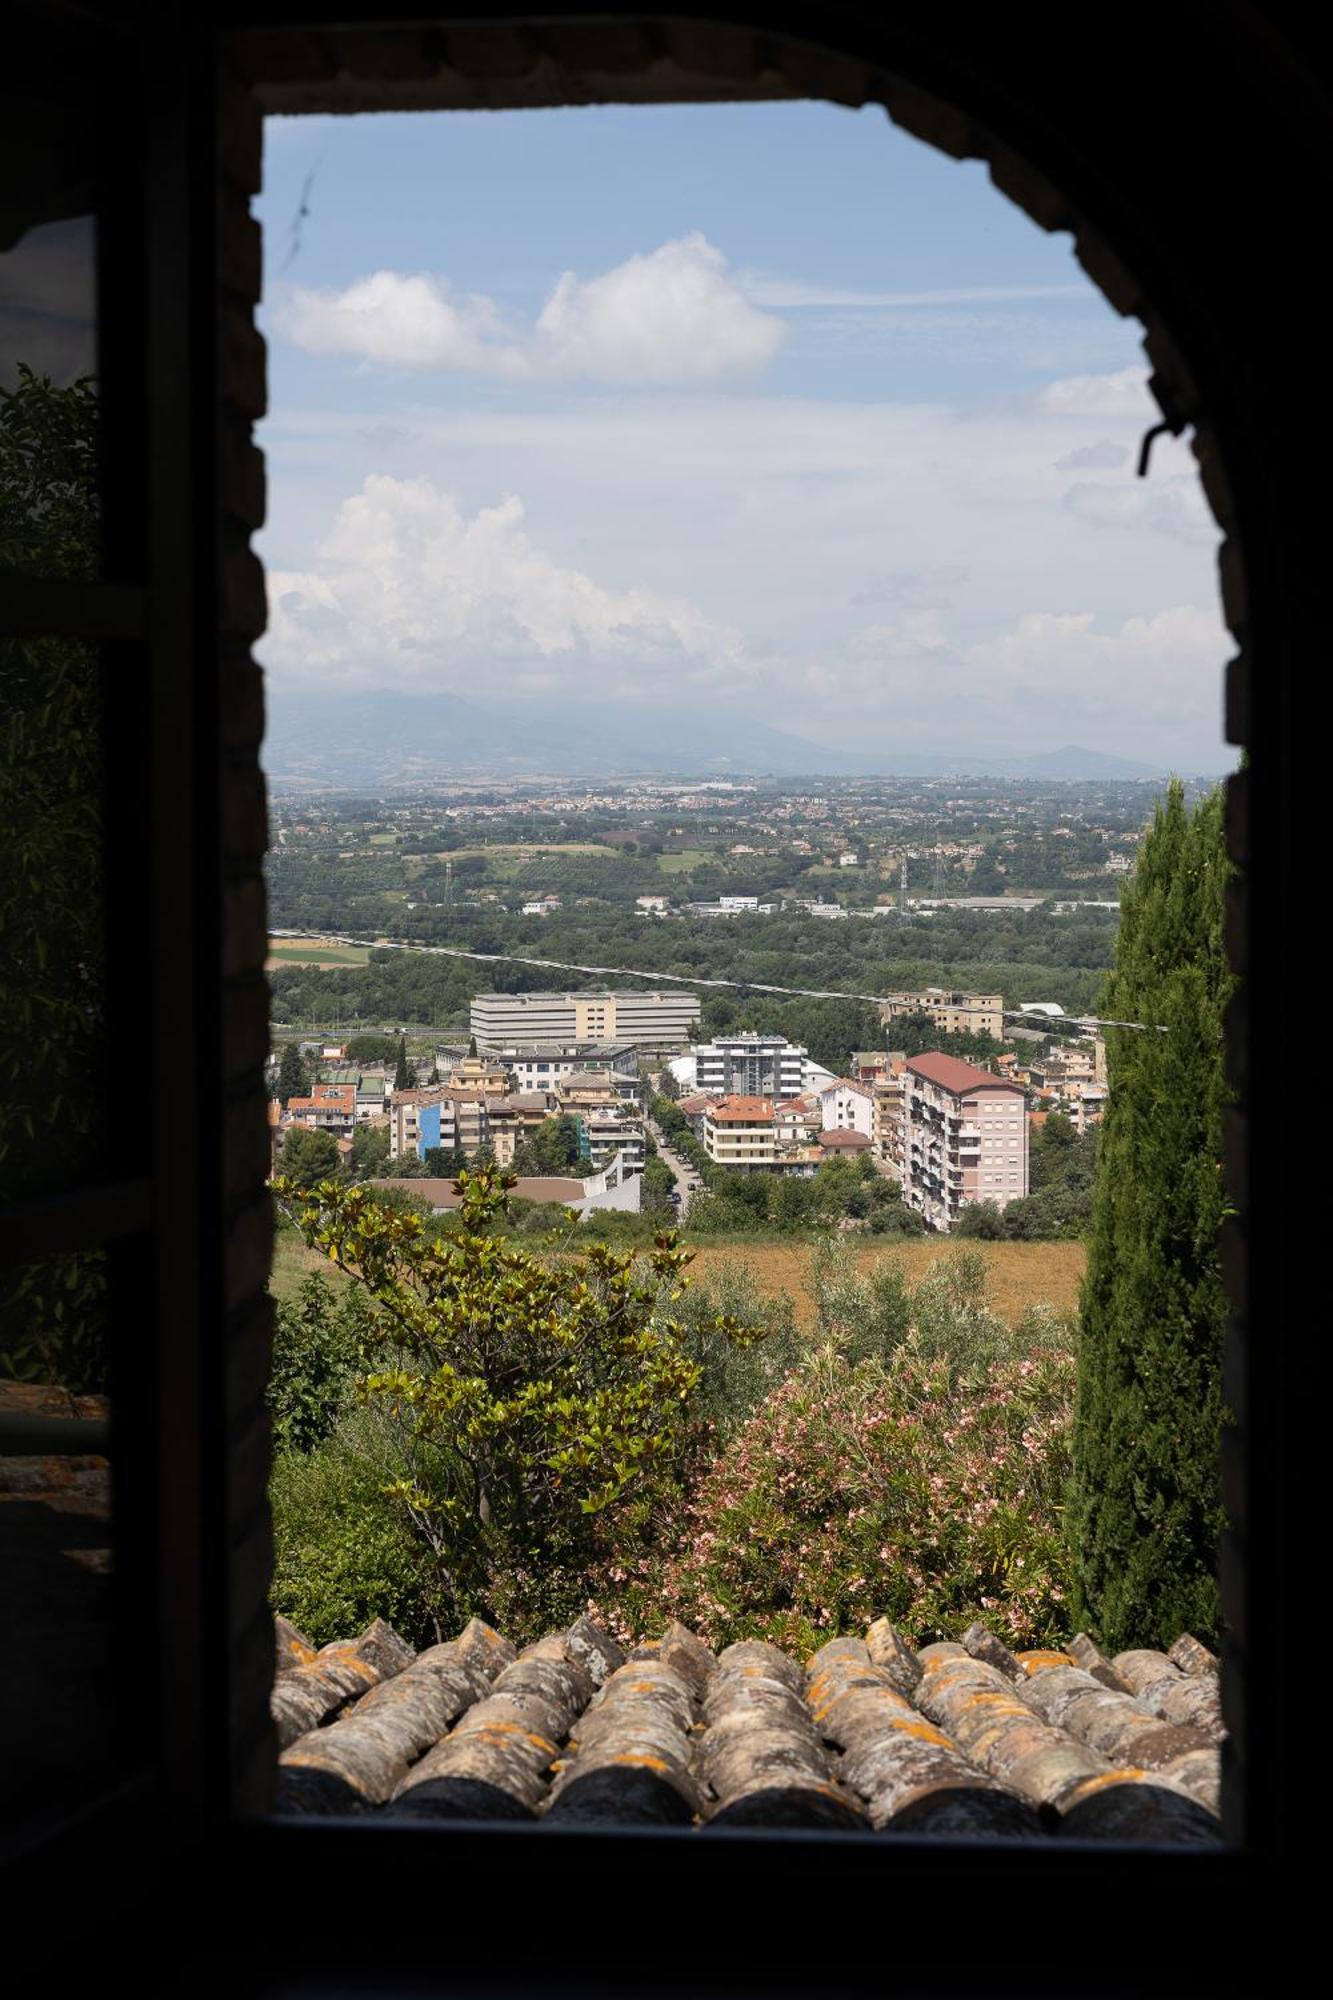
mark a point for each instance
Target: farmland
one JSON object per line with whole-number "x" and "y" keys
{"x": 1019, "y": 1275}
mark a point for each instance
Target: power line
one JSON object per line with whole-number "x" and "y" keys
{"x": 695, "y": 979}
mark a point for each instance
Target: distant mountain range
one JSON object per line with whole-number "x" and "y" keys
{"x": 355, "y": 741}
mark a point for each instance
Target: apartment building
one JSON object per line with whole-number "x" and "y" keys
{"x": 330, "y": 1107}
{"x": 644, "y": 1019}
{"x": 405, "y": 1118}
{"x": 964, "y": 1138}
{"x": 845, "y": 1106}
{"x": 509, "y": 1120}
{"x": 542, "y": 1066}
{"x": 587, "y": 1090}
{"x": 751, "y": 1065}
{"x": 738, "y": 1132}
{"x": 474, "y": 1073}
{"x": 887, "y": 1126}
{"x": 604, "y": 1134}
{"x": 951, "y": 1011}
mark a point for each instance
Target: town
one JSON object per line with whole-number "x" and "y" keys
{"x": 600, "y": 1072}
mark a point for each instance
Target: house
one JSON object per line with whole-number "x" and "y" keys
{"x": 846, "y": 1144}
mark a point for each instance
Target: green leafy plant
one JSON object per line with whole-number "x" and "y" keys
{"x": 530, "y": 1397}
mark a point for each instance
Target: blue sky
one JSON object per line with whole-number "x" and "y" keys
{"x": 769, "y": 408}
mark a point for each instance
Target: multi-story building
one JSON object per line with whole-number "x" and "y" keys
{"x": 587, "y": 1090}
{"x": 845, "y": 1106}
{"x": 544, "y": 1067}
{"x": 951, "y": 1011}
{"x": 604, "y": 1134}
{"x": 474, "y": 1073}
{"x": 887, "y": 1126}
{"x": 405, "y": 1118}
{"x": 750, "y": 1065}
{"x": 511, "y": 1119}
{"x": 330, "y": 1107}
{"x": 965, "y": 1138}
{"x": 738, "y": 1132}
{"x": 645, "y": 1019}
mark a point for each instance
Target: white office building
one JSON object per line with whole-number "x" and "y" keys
{"x": 750, "y": 1065}
{"x": 645, "y": 1019}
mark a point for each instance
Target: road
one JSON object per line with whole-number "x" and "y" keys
{"x": 682, "y": 1172}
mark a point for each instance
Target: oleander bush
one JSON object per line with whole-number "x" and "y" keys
{"x": 916, "y": 1488}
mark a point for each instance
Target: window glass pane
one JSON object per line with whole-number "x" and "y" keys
{"x": 48, "y": 404}
{"x": 52, "y": 1012}
{"x": 56, "y": 1666}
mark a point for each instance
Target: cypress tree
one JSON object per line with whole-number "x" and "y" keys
{"x": 1145, "y": 1512}
{"x": 292, "y": 1078}
{"x": 402, "y": 1076}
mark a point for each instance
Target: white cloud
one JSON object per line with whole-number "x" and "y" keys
{"x": 1148, "y": 679}
{"x": 839, "y": 562}
{"x": 1122, "y": 394}
{"x": 406, "y": 322}
{"x": 1164, "y": 506}
{"x": 915, "y": 632}
{"x": 674, "y": 314}
{"x": 1105, "y": 456}
{"x": 409, "y": 591}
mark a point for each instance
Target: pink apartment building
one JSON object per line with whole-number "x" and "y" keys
{"x": 964, "y": 1138}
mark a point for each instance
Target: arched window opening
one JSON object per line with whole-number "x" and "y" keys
{"x": 725, "y": 659}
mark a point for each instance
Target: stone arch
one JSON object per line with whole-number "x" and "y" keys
{"x": 971, "y": 102}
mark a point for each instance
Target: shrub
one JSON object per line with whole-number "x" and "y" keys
{"x": 319, "y": 1343}
{"x": 342, "y": 1555}
{"x": 737, "y": 1376}
{"x": 859, "y": 1489}
{"x": 526, "y": 1397}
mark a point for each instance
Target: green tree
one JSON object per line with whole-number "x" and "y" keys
{"x": 1145, "y": 1508}
{"x": 309, "y": 1157}
{"x": 552, "y": 1149}
{"x": 402, "y": 1075}
{"x": 318, "y": 1345}
{"x": 370, "y": 1152}
{"x": 293, "y": 1077}
{"x": 531, "y": 1397}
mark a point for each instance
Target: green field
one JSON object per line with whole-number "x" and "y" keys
{"x": 293, "y": 951}
{"x": 683, "y": 863}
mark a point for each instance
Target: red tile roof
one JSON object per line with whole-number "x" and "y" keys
{"x": 743, "y": 1111}
{"x": 952, "y": 1074}
{"x": 844, "y": 1141}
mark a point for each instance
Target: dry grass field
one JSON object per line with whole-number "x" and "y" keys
{"x": 1020, "y": 1274}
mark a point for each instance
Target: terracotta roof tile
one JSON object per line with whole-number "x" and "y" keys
{"x": 868, "y": 1736}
